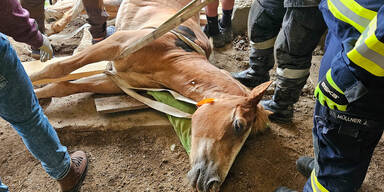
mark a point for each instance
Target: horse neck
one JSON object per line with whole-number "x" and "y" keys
{"x": 195, "y": 78}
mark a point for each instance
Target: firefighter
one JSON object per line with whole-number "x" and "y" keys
{"x": 290, "y": 30}
{"x": 348, "y": 114}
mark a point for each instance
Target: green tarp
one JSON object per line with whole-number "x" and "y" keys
{"x": 182, "y": 126}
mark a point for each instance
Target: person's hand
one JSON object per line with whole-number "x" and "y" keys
{"x": 329, "y": 94}
{"x": 46, "y": 51}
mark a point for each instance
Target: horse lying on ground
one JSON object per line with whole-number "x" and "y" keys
{"x": 219, "y": 129}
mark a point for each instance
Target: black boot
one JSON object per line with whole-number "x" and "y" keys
{"x": 284, "y": 189}
{"x": 211, "y": 29}
{"x": 260, "y": 62}
{"x": 226, "y": 33}
{"x": 281, "y": 114}
{"x": 225, "y": 26}
{"x": 287, "y": 92}
{"x": 305, "y": 165}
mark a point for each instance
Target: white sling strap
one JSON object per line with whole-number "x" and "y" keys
{"x": 128, "y": 89}
{"x": 151, "y": 103}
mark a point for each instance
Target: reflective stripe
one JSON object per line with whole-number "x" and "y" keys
{"x": 265, "y": 44}
{"x": 352, "y": 13}
{"x": 316, "y": 186}
{"x": 292, "y": 73}
{"x": 365, "y": 63}
{"x": 371, "y": 39}
{"x": 372, "y": 55}
{"x": 368, "y": 52}
{"x": 363, "y": 36}
{"x": 359, "y": 10}
{"x": 369, "y": 30}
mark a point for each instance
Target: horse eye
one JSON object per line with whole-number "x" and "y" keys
{"x": 238, "y": 125}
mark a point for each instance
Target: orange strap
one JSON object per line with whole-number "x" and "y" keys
{"x": 205, "y": 101}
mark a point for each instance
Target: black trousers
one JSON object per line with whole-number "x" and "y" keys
{"x": 293, "y": 32}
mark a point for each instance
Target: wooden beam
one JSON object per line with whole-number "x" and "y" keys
{"x": 112, "y": 104}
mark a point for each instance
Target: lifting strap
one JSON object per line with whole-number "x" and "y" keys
{"x": 129, "y": 90}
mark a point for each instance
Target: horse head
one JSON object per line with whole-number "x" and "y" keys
{"x": 219, "y": 130}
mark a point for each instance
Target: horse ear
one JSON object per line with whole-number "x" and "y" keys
{"x": 258, "y": 92}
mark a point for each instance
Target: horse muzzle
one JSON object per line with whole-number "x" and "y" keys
{"x": 203, "y": 177}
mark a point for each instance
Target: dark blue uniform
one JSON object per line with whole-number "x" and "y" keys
{"x": 348, "y": 120}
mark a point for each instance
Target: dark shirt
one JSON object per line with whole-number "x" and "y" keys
{"x": 15, "y": 22}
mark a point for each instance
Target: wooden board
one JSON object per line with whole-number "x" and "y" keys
{"x": 88, "y": 70}
{"x": 112, "y": 104}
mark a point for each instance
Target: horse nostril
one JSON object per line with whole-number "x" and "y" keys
{"x": 192, "y": 176}
{"x": 213, "y": 184}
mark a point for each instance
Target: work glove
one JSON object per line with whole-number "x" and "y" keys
{"x": 329, "y": 94}
{"x": 46, "y": 51}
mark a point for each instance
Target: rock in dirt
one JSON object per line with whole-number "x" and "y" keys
{"x": 240, "y": 16}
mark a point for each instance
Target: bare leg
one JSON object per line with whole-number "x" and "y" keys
{"x": 227, "y": 4}
{"x": 106, "y": 50}
{"x": 211, "y": 9}
{"x": 97, "y": 84}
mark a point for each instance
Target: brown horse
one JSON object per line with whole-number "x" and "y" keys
{"x": 219, "y": 128}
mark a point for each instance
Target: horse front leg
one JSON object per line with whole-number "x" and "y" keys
{"x": 106, "y": 50}
{"x": 96, "y": 84}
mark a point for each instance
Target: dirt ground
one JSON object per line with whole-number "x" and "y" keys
{"x": 145, "y": 160}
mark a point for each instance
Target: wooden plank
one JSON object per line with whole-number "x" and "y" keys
{"x": 112, "y": 104}
{"x": 81, "y": 116}
{"x": 88, "y": 70}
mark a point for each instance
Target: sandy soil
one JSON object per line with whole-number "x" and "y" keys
{"x": 143, "y": 160}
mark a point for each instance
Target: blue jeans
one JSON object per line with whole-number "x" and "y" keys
{"x": 20, "y": 107}
{"x": 3, "y": 188}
